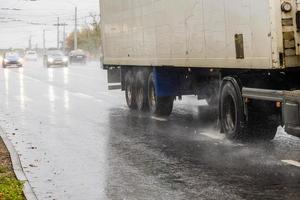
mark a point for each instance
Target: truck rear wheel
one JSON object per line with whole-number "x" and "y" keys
{"x": 259, "y": 125}
{"x": 231, "y": 111}
{"x": 161, "y": 106}
{"x": 130, "y": 90}
{"x": 141, "y": 97}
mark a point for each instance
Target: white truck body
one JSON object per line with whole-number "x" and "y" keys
{"x": 200, "y": 33}
{"x": 242, "y": 56}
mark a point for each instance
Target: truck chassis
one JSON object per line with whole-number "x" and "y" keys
{"x": 251, "y": 104}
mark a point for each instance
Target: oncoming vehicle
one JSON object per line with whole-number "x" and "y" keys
{"x": 55, "y": 57}
{"x": 77, "y": 56}
{"x": 12, "y": 59}
{"x": 31, "y": 56}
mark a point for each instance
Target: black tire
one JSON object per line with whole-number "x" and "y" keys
{"x": 130, "y": 90}
{"x": 258, "y": 126}
{"x": 141, "y": 97}
{"x": 160, "y": 106}
{"x": 232, "y": 111}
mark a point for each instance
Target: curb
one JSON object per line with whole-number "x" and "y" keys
{"x": 17, "y": 167}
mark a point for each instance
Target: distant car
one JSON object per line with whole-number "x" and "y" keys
{"x": 31, "y": 56}
{"x": 12, "y": 58}
{"x": 55, "y": 57}
{"x": 77, "y": 56}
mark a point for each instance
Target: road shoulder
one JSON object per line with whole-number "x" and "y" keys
{"x": 16, "y": 166}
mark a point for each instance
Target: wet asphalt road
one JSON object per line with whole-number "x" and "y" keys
{"x": 76, "y": 140}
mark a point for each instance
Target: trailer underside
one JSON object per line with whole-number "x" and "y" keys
{"x": 250, "y": 103}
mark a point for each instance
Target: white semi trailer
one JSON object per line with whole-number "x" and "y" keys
{"x": 243, "y": 56}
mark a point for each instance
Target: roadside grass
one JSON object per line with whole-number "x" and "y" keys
{"x": 10, "y": 187}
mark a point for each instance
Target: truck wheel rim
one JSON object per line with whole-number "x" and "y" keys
{"x": 129, "y": 93}
{"x": 230, "y": 114}
{"x": 139, "y": 97}
{"x": 152, "y": 99}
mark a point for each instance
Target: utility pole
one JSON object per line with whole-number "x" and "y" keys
{"x": 58, "y": 32}
{"x": 29, "y": 42}
{"x": 64, "y": 32}
{"x": 75, "y": 31}
{"x": 44, "y": 40}
{"x": 100, "y": 9}
{"x": 58, "y": 24}
{"x": 64, "y": 36}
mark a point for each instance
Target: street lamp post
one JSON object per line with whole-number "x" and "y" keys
{"x": 75, "y": 31}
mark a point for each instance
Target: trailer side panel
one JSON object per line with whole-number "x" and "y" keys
{"x": 190, "y": 33}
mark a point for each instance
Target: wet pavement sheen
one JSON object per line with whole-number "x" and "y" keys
{"x": 76, "y": 140}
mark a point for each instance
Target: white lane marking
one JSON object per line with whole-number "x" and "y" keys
{"x": 78, "y": 94}
{"x": 213, "y": 135}
{"x": 25, "y": 98}
{"x": 159, "y": 119}
{"x": 292, "y": 162}
{"x": 86, "y": 96}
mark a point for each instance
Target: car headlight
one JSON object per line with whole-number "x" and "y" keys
{"x": 20, "y": 60}
{"x": 50, "y": 60}
{"x": 5, "y": 60}
{"x": 65, "y": 59}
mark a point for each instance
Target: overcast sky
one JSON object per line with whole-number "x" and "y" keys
{"x": 17, "y": 16}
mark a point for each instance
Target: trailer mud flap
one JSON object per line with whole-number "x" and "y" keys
{"x": 166, "y": 81}
{"x": 114, "y": 78}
